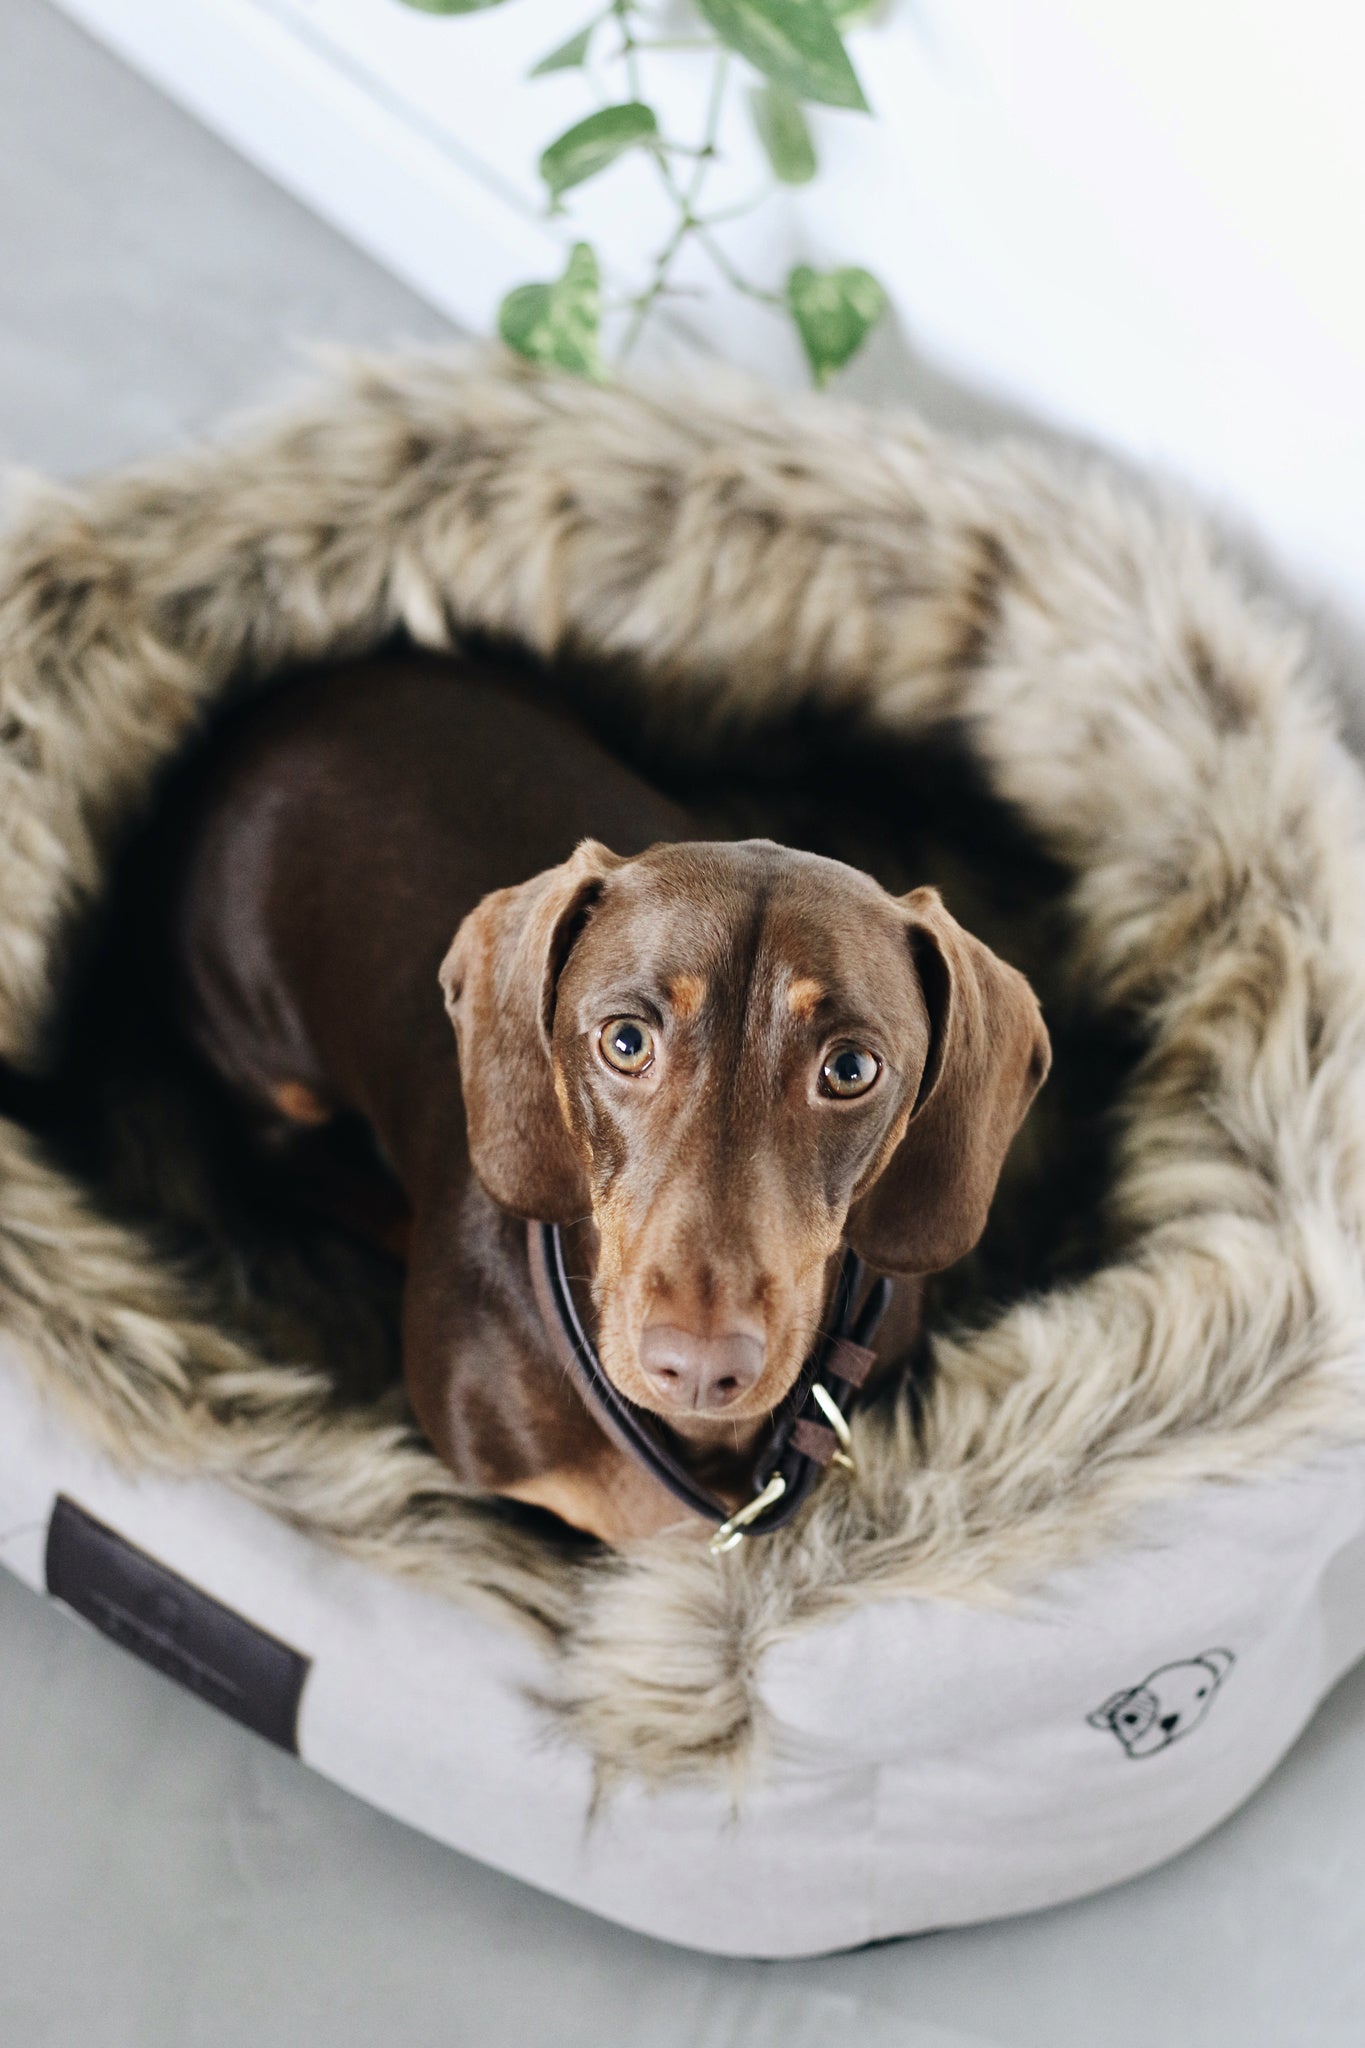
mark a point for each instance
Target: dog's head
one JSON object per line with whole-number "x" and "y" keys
{"x": 735, "y": 1057}
{"x": 1168, "y": 1703}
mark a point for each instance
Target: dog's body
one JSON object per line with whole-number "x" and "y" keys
{"x": 666, "y": 1048}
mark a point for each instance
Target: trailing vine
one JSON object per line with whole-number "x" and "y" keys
{"x": 797, "y": 50}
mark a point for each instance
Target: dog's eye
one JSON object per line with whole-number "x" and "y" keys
{"x": 849, "y": 1070}
{"x": 626, "y": 1044}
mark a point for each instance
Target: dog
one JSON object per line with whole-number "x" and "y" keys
{"x": 715, "y": 1062}
{"x": 1170, "y": 1702}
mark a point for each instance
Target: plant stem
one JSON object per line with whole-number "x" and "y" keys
{"x": 654, "y": 290}
{"x": 733, "y": 277}
{"x": 690, "y": 222}
{"x": 706, "y": 154}
{"x": 630, "y": 49}
{"x": 685, "y": 201}
{"x": 740, "y": 207}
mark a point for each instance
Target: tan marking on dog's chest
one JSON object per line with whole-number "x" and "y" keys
{"x": 616, "y": 1503}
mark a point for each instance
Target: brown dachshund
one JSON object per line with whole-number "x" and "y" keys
{"x": 720, "y": 1061}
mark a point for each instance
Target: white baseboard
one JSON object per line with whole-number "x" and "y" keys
{"x": 434, "y": 216}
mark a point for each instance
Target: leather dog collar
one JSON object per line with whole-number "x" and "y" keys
{"x": 809, "y": 1431}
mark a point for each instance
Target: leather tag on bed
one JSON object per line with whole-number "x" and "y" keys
{"x": 162, "y": 1618}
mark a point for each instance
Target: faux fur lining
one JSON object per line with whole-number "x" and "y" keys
{"x": 1162, "y": 733}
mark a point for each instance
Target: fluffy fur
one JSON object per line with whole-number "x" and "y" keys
{"x": 1163, "y": 735}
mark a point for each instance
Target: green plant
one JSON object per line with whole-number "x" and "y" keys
{"x": 797, "y": 50}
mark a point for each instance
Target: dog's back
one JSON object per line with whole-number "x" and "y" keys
{"x": 348, "y": 824}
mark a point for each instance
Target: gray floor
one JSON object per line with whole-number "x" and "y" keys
{"x": 167, "y": 1881}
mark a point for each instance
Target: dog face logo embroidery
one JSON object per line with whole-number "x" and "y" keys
{"x": 1169, "y": 1703}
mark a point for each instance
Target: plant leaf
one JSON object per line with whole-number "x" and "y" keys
{"x": 793, "y": 42}
{"x": 451, "y": 6}
{"x": 589, "y": 146}
{"x": 834, "y": 311}
{"x": 851, "y": 11}
{"x": 568, "y": 56}
{"x": 782, "y": 130}
{"x": 558, "y": 323}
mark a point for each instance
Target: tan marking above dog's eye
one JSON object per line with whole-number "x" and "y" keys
{"x": 626, "y": 1044}
{"x": 805, "y": 996}
{"x": 848, "y": 1070}
{"x": 686, "y": 993}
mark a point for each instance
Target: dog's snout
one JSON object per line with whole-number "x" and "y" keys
{"x": 699, "y": 1373}
{"x": 1169, "y": 1723}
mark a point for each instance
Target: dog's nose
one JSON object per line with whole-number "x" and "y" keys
{"x": 699, "y": 1373}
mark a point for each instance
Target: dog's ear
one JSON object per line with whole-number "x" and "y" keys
{"x": 499, "y": 980}
{"x": 988, "y": 1056}
{"x": 1220, "y": 1661}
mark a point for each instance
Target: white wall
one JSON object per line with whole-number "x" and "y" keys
{"x": 1141, "y": 221}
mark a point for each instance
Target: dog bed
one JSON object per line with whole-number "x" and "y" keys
{"x": 1106, "y": 1551}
